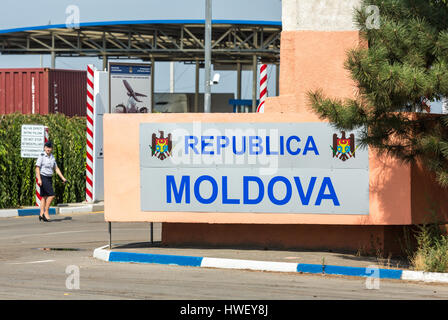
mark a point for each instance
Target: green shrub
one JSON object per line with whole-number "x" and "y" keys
{"x": 432, "y": 250}
{"x": 17, "y": 175}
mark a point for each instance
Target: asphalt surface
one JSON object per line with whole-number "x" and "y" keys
{"x": 37, "y": 260}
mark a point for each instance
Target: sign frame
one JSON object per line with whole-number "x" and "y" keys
{"x": 308, "y": 181}
{"x": 37, "y": 135}
{"x": 147, "y": 90}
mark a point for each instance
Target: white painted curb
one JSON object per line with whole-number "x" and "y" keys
{"x": 101, "y": 254}
{"x": 424, "y": 276}
{"x": 7, "y": 213}
{"x": 85, "y": 208}
{"x": 248, "y": 264}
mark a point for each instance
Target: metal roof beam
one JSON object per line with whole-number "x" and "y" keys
{"x": 222, "y": 37}
{"x": 66, "y": 41}
{"x": 173, "y": 42}
{"x": 194, "y": 37}
{"x": 40, "y": 42}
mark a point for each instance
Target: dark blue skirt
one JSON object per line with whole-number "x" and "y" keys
{"x": 46, "y": 189}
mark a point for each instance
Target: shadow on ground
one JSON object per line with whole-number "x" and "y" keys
{"x": 60, "y": 219}
{"x": 328, "y": 257}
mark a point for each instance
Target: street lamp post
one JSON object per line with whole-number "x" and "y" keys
{"x": 208, "y": 55}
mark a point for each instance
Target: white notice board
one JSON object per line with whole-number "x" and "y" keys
{"x": 32, "y": 141}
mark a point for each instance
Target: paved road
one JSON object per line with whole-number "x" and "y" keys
{"x": 29, "y": 272}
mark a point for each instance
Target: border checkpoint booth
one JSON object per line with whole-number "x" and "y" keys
{"x": 272, "y": 179}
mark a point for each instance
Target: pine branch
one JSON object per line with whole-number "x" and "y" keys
{"x": 404, "y": 67}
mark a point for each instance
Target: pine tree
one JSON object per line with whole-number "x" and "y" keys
{"x": 404, "y": 66}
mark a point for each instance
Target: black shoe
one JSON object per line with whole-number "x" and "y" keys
{"x": 45, "y": 219}
{"x": 40, "y": 218}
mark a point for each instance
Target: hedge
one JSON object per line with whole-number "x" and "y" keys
{"x": 17, "y": 175}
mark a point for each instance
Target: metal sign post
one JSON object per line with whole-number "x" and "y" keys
{"x": 33, "y": 138}
{"x": 110, "y": 235}
{"x": 208, "y": 55}
{"x": 152, "y": 232}
{"x": 90, "y": 132}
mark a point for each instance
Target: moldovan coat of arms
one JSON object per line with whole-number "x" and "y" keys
{"x": 161, "y": 146}
{"x": 343, "y": 148}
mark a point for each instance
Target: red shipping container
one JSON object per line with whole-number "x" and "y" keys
{"x": 43, "y": 91}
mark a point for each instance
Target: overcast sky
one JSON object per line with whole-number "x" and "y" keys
{"x": 32, "y": 13}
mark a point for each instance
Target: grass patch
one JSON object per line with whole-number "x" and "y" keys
{"x": 431, "y": 254}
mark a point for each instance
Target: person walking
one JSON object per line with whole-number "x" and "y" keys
{"x": 45, "y": 167}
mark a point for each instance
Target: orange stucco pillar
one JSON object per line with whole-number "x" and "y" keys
{"x": 312, "y": 60}
{"x": 314, "y": 43}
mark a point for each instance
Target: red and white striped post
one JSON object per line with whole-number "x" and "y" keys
{"x": 263, "y": 87}
{"x": 38, "y": 196}
{"x": 89, "y": 134}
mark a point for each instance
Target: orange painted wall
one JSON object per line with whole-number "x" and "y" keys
{"x": 361, "y": 239}
{"x": 312, "y": 60}
{"x": 429, "y": 200}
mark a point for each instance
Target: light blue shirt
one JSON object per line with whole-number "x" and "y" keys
{"x": 47, "y": 164}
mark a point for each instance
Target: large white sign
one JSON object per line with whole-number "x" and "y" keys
{"x": 253, "y": 167}
{"x": 32, "y": 141}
